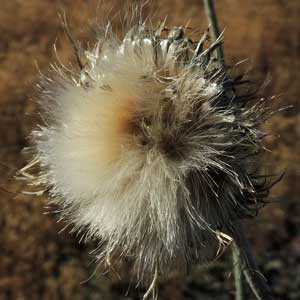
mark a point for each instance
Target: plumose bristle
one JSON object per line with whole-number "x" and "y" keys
{"x": 151, "y": 149}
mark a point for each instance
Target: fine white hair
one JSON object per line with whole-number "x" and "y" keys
{"x": 150, "y": 148}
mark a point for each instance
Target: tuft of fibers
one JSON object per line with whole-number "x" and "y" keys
{"x": 151, "y": 149}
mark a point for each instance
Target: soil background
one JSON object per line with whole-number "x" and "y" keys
{"x": 39, "y": 263}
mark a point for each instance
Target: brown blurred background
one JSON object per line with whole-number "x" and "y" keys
{"x": 37, "y": 262}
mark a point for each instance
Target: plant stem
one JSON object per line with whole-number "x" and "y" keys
{"x": 213, "y": 23}
{"x": 237, "y": 264}
{"x": 243, "y": 260}
{"x": 238, "y": 274}
{"x": 255, "y": 279}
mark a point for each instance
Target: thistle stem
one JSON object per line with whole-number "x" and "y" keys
{"x": 243, "y": 260}
{"x": 213, "y": 23}
{"x": 238, "y": 274}
{"x": 255, "y": 279}
{"x": 237, "y": 264}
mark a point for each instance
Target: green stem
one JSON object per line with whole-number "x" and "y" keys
{"x": 255, "y": 279}
{"x": 243, "y": 260}
{"x": 213, "y": 23}
{"x": 238, "y": 274}
{"x": 237, "y": 263}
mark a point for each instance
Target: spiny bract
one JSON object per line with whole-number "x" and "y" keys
{"x": 151, "y": 149}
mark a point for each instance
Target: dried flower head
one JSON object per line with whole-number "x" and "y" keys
{"x": 150, "y": 148}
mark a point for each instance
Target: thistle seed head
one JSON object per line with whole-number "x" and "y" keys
{"x": 150, "y": 148}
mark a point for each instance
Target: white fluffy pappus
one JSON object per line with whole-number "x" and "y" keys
{"x": 150, "y": 149}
